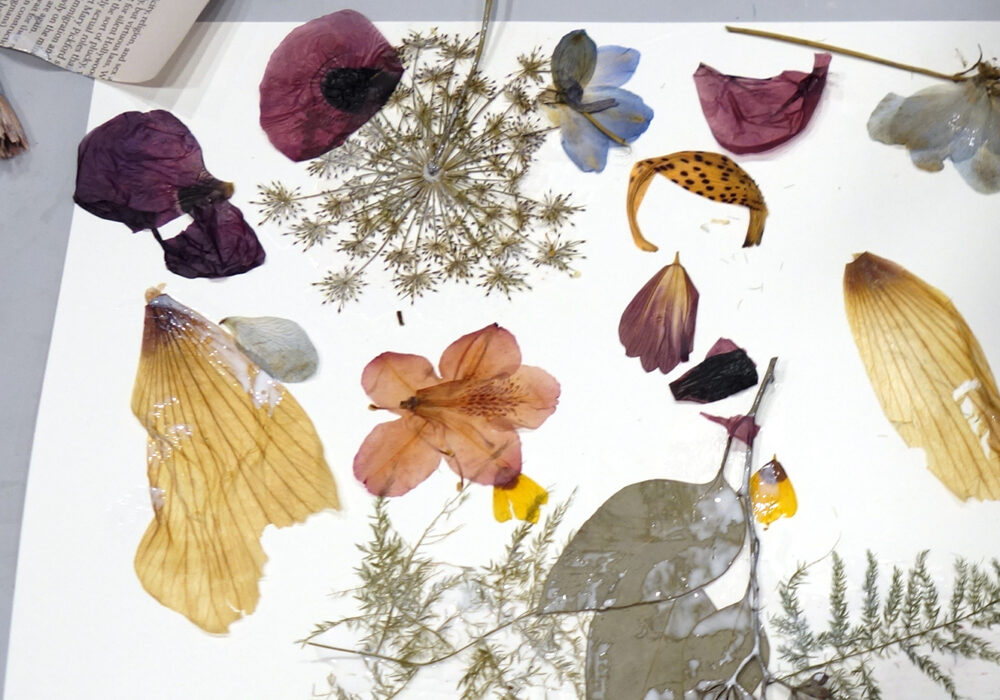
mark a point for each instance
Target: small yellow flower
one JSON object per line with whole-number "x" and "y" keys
{"x": 521, "y": 498}
{"x": 772, "y": 493}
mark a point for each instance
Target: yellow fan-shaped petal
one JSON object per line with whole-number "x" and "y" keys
{"x": 929, "y": 373}
{"x": 229, "y": 452}
{"x": 772, "y": 493}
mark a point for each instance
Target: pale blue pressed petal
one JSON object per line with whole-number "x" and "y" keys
{"x": 981, "y": 172}
{"x": 627, "y": 120}
{"x": 585, "y": 145}
{"x": 615, "y": 65}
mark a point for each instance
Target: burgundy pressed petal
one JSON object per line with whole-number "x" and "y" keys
{"x": 720, "y": 346}
{"x": 219, "y": 243}
{"x": 722, "y": 373}
{"x": 750, "y": 115}
{"x": 143, "y": 169}
{"x": 324, "y": 81}
{"x": 742, "y": 428}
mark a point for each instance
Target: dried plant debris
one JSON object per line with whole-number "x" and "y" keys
{"x": 324, "y": 81}
{"x": 431, "y": 186}
{"x": 750, "y": 115}
{"x": 959, "y": 121}
{"x": 929, "y": 373}
{"x": 726, "y": 370}
{"x": 230, "y": 451}
{"x": 658, "y": 324}
{"x": 278, "y": 346}
{"x": 710, "y": 175}
{"x": 12, "y": 138}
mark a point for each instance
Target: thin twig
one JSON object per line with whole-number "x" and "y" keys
{"x": 955, "y": 78}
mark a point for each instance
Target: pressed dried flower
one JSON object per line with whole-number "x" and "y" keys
{"x": 726, "y": 370}
{"x": 324, "y": 81}
{"x": 279, "y": 346}
{"x": 469, "y": 415}
{"x": 929, "y": 373}
{"x": 957, "y": 121}
{"x": 12, "y": 138}
{"x": 145, "y": 169}
{"x": 588, "y": 104}
{"x": 750, "y": 115}
{"x": 743, "y": 428}
{"x": 521, "y": 498}
{"x": 710, "y": 175}
{"x": 772, "y": 493}
{"x": 229, "y": 452}
{"x": 658, "y": 324}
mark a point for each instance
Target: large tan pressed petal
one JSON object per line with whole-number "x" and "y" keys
{"x": 229, "y": 452}
{"x": 484, "y": 353}
{"x": 929, "y": 373}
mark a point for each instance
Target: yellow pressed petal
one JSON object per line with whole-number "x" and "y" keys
{"x": 229, "y": 452}
{"x": 710, "y": 175}
{"x": 772, "y": 493}
{"x": 524, "y": 499}
{"x": 928, "y": 372}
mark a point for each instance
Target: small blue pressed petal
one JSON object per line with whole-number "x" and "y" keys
{"x": 585, "y": 145}
{"x": 628, "y": 119}
{"x": 615, "y": 65}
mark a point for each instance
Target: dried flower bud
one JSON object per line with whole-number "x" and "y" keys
{"x": 12, "y": 139}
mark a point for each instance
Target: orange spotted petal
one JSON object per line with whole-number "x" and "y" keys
{"x": 772, "y": 494}
{"x": 522, "y": 499}
{"x": 487, "y": 352}
{"x": 395, "y": 457}
{"x": 393, "y": 377}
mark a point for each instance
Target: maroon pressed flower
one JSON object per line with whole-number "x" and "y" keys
{"x": 743, "y": 428}
{"x": 219, "y": 243}
{"x": 658, "y": 324}
{"x": 750, "y": 115}
{"x": 726, "y": 370}
{"x": 324, "y": 81}
{"x": 145, "y": 169}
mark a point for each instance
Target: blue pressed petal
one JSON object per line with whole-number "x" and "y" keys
{"x": 628, "y": 119}
{"x": 615, "y": 65}
{"x": 585, "y": 145}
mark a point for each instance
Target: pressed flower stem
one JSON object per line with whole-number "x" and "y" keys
{"x": 955, "y": 78}
{"x": 600, "y": 127}
{"x": 434, "y": 166}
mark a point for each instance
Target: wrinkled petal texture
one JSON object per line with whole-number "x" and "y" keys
{"x": 615, "y": 66}
{"x": 959, "y": 121}
{"x": 929, "y": 373}
{"x": 658, "y": 324}
{"x": 134, "y": 167}
{"x": 302, "y": 115}
{"x": 485, "y": 353}
{"x": 750, "y": 115}
{"x": 220, "y": 243}
{"x": 392, "y": 378}
{"x": 395, "y": 457}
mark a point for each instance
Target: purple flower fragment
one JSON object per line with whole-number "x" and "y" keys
{"x": 743, "y": 428}
{"x": 750, "y": 115}
{"x": 145, "y": 169}
{"x": 726, "y": 370}
{"x": 324, "y": 81}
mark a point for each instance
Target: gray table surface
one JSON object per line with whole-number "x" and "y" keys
{"x": 36, "y": 188}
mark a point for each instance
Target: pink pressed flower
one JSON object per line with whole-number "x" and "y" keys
{"x": 324, "y": 81}
{"x": 750, "y": 115}
{"x": 469, "y": 415}
{"x": 658, "y": 324}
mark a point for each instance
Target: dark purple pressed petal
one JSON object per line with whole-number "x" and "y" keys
{"x": 742, "y": 428}
{"x": 324, "y": 81}
{"x": 750, "y": 115}
{"x": 219, "y": 243}
{"x": 658, "y": 324}
{"x": 719, "y": 375}
{"x": 143, "y": 169}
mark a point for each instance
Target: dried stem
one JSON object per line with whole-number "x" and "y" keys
{"x": 955, "y": 78}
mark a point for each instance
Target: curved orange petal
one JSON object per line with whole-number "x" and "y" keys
{"x": 393, "y": 377}
{"x": 394, "y": 457}
{"x": 485, "y": 353}
{"x": 477, "y": 450}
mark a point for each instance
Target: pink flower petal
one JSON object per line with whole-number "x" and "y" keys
{"x": 480, "y": 452}
{"x": 324, "y": 81}
{"x": 394, "y": 457}
{"x": 740, "y": 427}
{"x": 393, "y": 377}
{"x": 750, "y": 115}
{"x": 539, "y": 394}
{"x": 488, "y": 352}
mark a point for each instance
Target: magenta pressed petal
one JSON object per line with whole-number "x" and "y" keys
{"x": 324, "y": 81}
{"x": 722, "y": 345}
{"x": 750, "y": 115}
{"x": 219, "y": 243}
{"x": 742, "y": 428}
{"x": 143, "y": 169}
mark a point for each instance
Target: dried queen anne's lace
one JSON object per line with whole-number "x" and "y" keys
{"x": 429, "y": 217}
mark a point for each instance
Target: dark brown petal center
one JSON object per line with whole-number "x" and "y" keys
{"x": 348, "y": 89}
